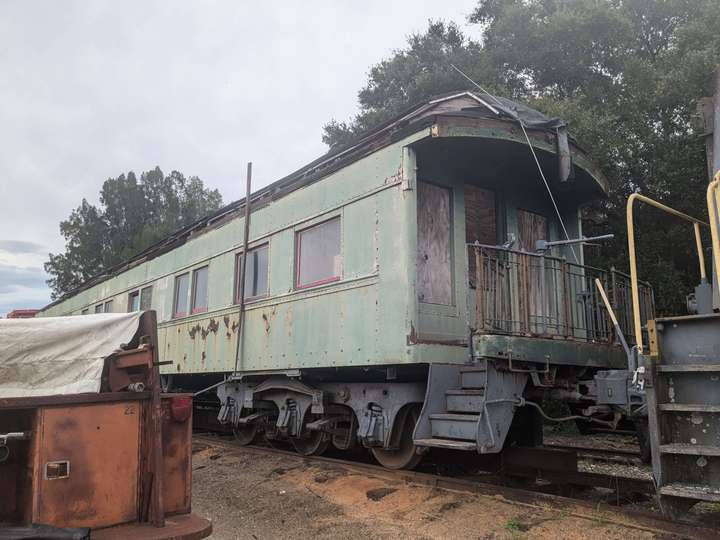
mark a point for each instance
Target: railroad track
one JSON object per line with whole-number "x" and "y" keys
{"x": 618, "y": 455}
{"x": 590, "y": 510}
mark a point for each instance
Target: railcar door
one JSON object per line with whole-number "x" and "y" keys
{"x": 434, "y": 268}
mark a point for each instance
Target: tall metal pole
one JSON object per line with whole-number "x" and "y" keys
{"x": 714, "y": 163}
{"x": 716, "y": 126}
{"x": 241, "y": 277}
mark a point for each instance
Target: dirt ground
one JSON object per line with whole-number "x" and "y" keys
{"x": 248, "y": 495}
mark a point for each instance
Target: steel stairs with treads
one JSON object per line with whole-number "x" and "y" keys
{"x": 468, "y": 407}
{"x": 683, "y": 397}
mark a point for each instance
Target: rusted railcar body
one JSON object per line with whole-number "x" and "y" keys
{"x": 98, "y": 461}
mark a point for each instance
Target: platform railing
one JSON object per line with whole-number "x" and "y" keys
{"x": 532, "y": 294}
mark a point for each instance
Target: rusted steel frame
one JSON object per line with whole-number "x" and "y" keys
{"x": 243, "y": 261}
{"x": 479, "y": 288}
{"x": 567, "y": 309}
{"x": 151, "y": 484}
{"x": 526, "y": 292}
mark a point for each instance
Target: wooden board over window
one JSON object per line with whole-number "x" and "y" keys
{"x": 434, "y": 269}
{"x": 480, "y": 223}
{"x": 531, "y": 228}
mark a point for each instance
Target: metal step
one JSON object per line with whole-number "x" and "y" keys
{"x": 691, "y": 491}
{"x": 679, "y": 368}
{"x": 468, "y": 369}
{"x": 690, "y": 449}
{"x": 464, "y": 399}
{"x": 474, "y": 378}
{"x": 689, "y": 407}
{"x": 448, "y": 444}
{"x": 454, "y": 426}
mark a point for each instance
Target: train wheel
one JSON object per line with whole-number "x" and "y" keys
{"x": 310, "y": 443}
{"x": 405, "y": 456}
{"x": 245, "y": 434}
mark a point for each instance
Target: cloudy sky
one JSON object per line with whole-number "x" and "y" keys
{"x": 89, "y": 90}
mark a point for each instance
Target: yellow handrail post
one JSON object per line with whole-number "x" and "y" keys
{"x": 712, "y": 204}
{"x": 637, "y": 323}
{"x": 701, "y": 255}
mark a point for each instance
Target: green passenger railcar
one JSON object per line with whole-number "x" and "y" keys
{"x": 389, "y": 285}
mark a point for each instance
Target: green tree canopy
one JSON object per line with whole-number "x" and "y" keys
{"x": 133, "y": 214}
{"x": 625, "y": 74}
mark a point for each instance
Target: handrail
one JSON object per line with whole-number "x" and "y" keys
{"x": 712, "y": 205}
{"x": 521, "y": 293}
{"x": 633, "y": 260}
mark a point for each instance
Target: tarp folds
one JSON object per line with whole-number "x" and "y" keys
{"x": 60, "y": 355}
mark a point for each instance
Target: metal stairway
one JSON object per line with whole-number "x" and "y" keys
{"x": 683, "y": 397}
{"x": 468, "y": 407}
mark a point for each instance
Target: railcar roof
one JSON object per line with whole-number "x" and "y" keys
{"x": 415, "y": 118}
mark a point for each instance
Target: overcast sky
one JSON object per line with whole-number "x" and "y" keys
{"x": 92, "y": 89}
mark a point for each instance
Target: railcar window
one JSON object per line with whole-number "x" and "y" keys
{"x": 134, "y": 301}
{"x": 256, "y": 275}
{"x": 146, "y": 298}
{"x": 318, "y": 257}
{"x": 200, "y": 290}
{"x": 108, "y": 306}
{"x": 182, "y": 286}
{"x": 99, "y": 308}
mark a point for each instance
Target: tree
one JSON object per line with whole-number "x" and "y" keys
{"x": 410, "y": 76}
{"x": 626, "y": 74}
{"x": 133, "y": 214}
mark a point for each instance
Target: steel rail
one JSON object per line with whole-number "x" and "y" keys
{"x": 629, "y": 211}
{"x": 588, "y": 510}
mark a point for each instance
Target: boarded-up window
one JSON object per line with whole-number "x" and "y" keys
{"x": 531, "y": 228}
{"x": 434, "y": 270}
{"x": 480, "y": 215}
{"x": 480, "y": 224}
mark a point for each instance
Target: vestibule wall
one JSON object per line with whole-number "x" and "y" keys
{"x": 478, "y": 190}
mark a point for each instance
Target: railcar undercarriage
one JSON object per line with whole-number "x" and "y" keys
{"x": 483, "y": 406}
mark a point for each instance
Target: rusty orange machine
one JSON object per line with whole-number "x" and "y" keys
{"x": 87, "y": 440}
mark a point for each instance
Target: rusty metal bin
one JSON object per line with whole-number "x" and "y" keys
{"x": 117, "y": 462}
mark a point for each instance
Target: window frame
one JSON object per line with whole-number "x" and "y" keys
{"x": 143, "y": 290}
{"x": 107, "y": 303}
{"x": 175, "y": 313}
{"x": 193, "y": 289}
{"x": 131, "y": 295}
{"x": 101, "y": 306}
{"x": 236, "y": 281}
{"x": 298, "y": 252}
{"x": 85, "y": 311}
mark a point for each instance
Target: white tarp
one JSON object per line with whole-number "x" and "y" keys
{"x": 59, "y": 355}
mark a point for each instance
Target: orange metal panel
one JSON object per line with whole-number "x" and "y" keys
{"x": 177, "y": 479}
{"x": 101, "y": 444}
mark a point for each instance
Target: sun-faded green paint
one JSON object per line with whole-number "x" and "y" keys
{"x": 371, "y": 316}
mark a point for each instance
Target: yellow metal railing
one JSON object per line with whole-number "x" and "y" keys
{"x": 713, "y": 203}
{"x": 633, "y": 260}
